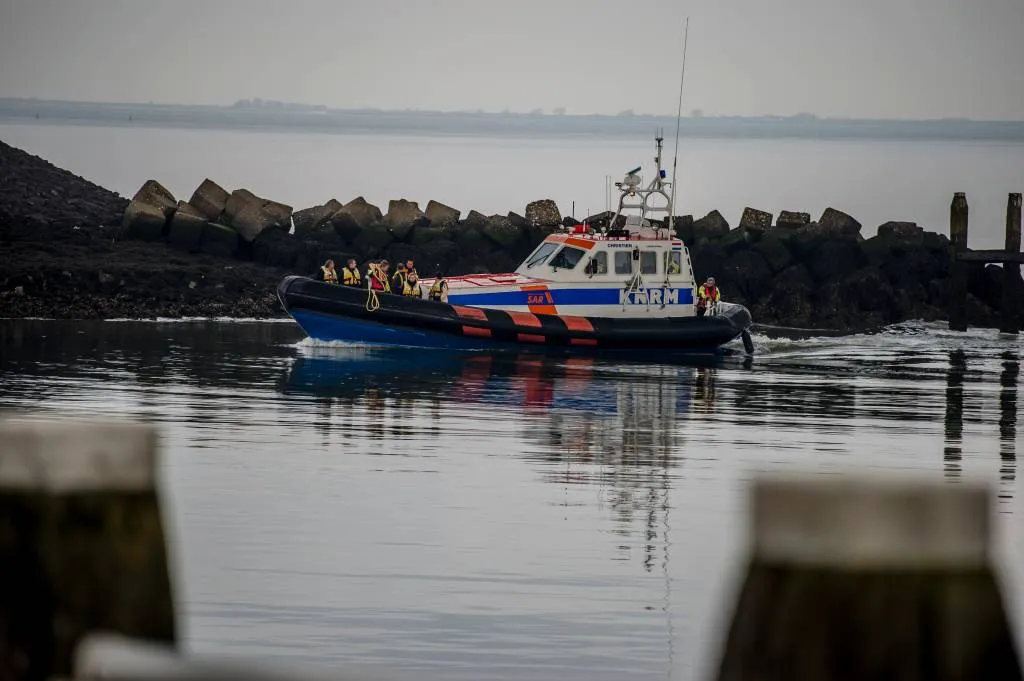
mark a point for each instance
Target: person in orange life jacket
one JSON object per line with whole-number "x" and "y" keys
{"x": 377, "y": 275}
{"x": 350, "y": 274}
{"x": 708, "y": 292}
{"x": 398, "y": 279}
{"x": 327, "y": 273}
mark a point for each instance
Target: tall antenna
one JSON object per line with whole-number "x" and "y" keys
{"x": 679, "y": 114}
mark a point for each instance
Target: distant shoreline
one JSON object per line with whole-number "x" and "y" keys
{"x": 283, "y": 117}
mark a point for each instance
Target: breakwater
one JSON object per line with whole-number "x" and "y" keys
{"x": 71, "y": 249}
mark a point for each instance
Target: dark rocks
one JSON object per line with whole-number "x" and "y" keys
{"x": 775, "y": 253}
{"x": 309, "y": 219}
{"x": 710, "y": 226}
{"x": 249, "y": 214}
{"x": 682, "y": 225}
{"x": 373, "y": 242}
{"x": 517, "y": 219}
{"x": 900, "y": 230}
{"x": 364, "y": 214}
{"x": 600, "y": 221}
{"x": 402, "y": 214}
{"x": 63, "y": 254}
{"x": 543, "y": 213}
{"x": 837, "y": 222}
{"x": 756, "y": 220}
{"x": 147, "y": 214}
{"x": 276, "y": 248}
{"x": 186, "y": 228}
{"x": 440, "y": 214}
{"x": 219, "y": 240}
{"x": 835, "y": 260}
{"x": 501, "y": 231}
{"x": 791, "y": 220}
{"x": 209, "y": 199}
{"x": 344, "y": 224}
{"x": 144, "y": 222}
{"x": 749, "y": 272}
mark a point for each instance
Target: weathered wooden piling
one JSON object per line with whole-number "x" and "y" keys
{"x": 1009, "y": 323}
{"x": 81, "y": 542}
{"x": 867, "y": 580}
{"x": 958, "y": 285}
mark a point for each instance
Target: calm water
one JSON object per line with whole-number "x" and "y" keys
{"x": 875, "y": 181}
{"x": 437, "y": 515}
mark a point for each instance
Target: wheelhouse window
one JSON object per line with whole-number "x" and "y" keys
{"x": 674, "y": 262}
{"x": 539, "y": 256}
{"x": 568, "y": 258}
{"x": 648, "y": 262}
{"x": 623, "y": 262}
{"x": 598, "y": 264}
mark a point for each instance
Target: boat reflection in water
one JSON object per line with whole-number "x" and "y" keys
{"x": 585, "y": 421}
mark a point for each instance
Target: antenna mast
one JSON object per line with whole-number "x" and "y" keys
{"x": 679, "y": 114}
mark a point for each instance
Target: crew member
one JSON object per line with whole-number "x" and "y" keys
{"x": 328, "y": 273}
{"x": 377, "y": 273}
{"x": 412, "y": 283}
{"x": 350, "y": 274}
{"x": 438, "y": 290}
{"x": 410, "y": 268}
{"x": 398, "y": 280}
{"x": 707, "y": 293}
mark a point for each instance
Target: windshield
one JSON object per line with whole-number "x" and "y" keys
{"x": 568, "y": 257}
{"x": 541, "y": 254}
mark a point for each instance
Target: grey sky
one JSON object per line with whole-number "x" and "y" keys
{"x": 865, "y": 58}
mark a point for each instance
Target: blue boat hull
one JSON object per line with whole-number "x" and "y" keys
{"x": 332, "y": 313}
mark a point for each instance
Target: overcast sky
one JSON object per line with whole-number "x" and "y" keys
{"x": 863, "y": 58}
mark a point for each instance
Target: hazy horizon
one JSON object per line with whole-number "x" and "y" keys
{"x": 915, "y": 59}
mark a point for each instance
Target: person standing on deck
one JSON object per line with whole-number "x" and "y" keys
{"x": 377, "y": 274}
{"x": 412, "y": 283}
{"x": 398, "y": 280}
{"x": 707, "y": 293}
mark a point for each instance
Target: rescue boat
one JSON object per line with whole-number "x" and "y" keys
{"x": 628, "y": 285}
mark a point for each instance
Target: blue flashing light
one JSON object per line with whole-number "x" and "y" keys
{"x": 663, "y": 173}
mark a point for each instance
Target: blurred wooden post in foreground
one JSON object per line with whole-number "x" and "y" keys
{"x": 958, "y": 285}
{"x": 1011, "y": 271}
{"x": 868, "y": 580}
{"x": 81, "y": 542}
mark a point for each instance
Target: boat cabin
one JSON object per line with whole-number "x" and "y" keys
{"x": 633, "y": 268}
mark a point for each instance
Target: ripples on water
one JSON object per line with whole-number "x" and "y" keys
{"x": 457, "y": 515}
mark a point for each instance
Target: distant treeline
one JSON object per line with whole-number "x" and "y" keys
{"x": 257, "y": 114}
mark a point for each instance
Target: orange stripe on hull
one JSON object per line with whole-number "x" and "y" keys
{"x": 578, "y": 324}
{"x": 539, "y": 299}
{"x": 531, "y": 338}
{"x": 470, "y": 312}
{"x": 476, "y": 331}
{"x": 583, "y": 341}
{"x": 525, "y": 319}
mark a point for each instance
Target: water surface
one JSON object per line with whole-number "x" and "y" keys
{"x": 499, "y": 516}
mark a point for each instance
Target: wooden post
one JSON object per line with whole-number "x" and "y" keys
{"x": 958, "y": 288}
{"x": 869, "y": 580}
{"x": 1009, "y": 322}
{"x": 81, "y": 542}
